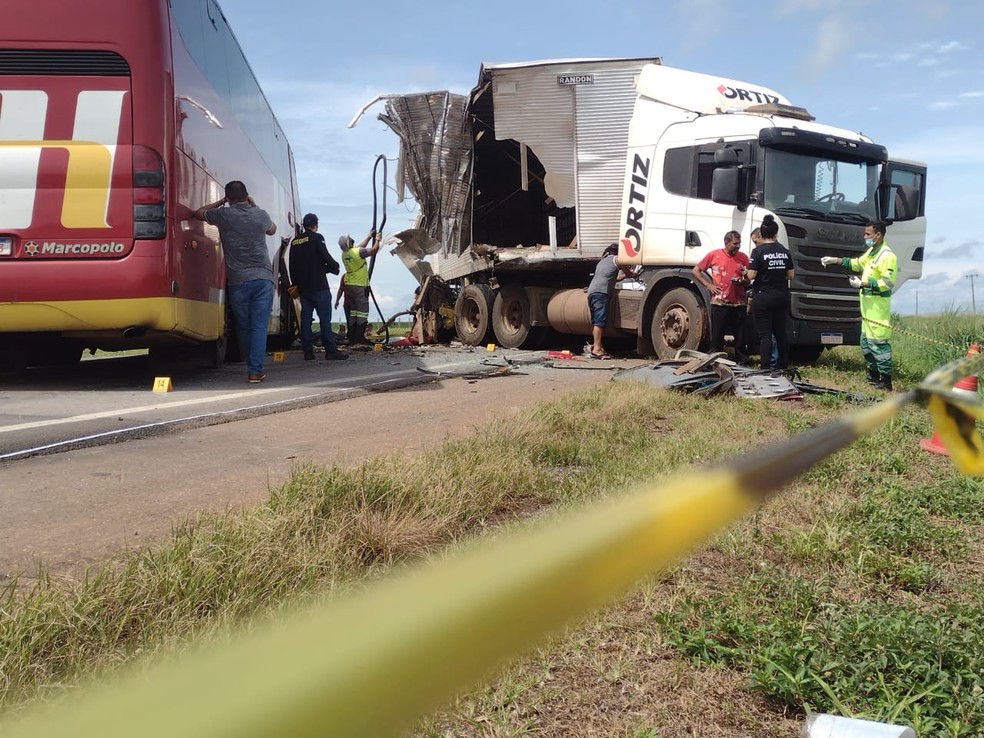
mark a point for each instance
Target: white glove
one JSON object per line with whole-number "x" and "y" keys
{"x": 828, "y": 260}
{"x": 855, "y": 281}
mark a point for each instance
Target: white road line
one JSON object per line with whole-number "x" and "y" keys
{"x": 384, "y": 378}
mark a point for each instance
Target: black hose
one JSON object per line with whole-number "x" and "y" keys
{"x": 382, "y": 224}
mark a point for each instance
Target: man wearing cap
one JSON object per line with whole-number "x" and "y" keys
{"x": 357, "y": 283}
{"x": 310, "y": 263}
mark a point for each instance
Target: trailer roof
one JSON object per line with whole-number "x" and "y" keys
{"x": 488, "y": 67}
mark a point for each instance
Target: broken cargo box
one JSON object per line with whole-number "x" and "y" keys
{"x": 527, "y": 170}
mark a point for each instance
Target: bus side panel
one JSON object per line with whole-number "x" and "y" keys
{"x": 215, "y": 97}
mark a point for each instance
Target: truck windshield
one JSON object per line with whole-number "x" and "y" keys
{"x": 819, "y": 186}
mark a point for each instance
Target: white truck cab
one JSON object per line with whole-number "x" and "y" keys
{"x": 708, "y": 155}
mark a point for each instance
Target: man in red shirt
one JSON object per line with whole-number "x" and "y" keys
{"x": 726, "y": 286}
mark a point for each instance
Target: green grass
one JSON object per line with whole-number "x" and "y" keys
{"x": 922, "y": 344}
{"x": 857, "y": 591}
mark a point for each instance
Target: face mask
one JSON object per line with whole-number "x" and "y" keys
{"x": 869, "y": 242}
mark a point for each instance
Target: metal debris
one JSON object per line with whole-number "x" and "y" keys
{"x": 713, "y": 374}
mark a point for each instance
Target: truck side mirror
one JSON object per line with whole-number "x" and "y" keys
{"x": 724, "y": 186}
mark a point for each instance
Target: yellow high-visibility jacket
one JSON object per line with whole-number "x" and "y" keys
{"x": 878, "y": 266}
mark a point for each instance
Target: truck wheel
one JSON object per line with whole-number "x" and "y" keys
{"x": 473, "y": 315}
{"x": 511, "y": 319}
{"x": 805, "y": 354}
{"x": 678, "y": 323}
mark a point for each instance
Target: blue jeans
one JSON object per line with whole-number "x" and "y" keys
{"x": 320, "y": 301}
{"x": 251, "y": 302}
{"x": 598, "y": 305}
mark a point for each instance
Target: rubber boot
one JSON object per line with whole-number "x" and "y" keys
{"x": 885, "y": 382}
{"x": 873, "y": 377}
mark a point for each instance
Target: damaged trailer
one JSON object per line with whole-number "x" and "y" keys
{"x": 523, "y": 183}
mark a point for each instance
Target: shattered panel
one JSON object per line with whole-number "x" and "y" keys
{"x": 436, "y": 161}
{"x": 530, "y": 107}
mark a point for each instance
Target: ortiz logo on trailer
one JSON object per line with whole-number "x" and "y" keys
{"x": 91, "y": 152}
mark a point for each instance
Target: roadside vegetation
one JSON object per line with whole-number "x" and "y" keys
{"x": 859, "y": 591}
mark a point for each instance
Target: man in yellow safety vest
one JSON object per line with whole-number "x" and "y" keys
{"x": 878, "y": 266}
{"x": 357, "y": 283}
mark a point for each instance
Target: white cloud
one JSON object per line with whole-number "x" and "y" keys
{"x": 929, "y": 61}
{"x": 972, "y": 94}
{"x": 951, "y": 46}
{"x": 831, "y": 39}
{"x": 942, "y": 105}
{"x": 699, "y": 16}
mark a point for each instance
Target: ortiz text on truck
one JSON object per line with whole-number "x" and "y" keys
{"x": 523, "y": 183}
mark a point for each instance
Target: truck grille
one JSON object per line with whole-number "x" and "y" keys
{"x": 826, "y": 310}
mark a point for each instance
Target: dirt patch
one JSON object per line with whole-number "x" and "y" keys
{"x": 81, "y": 507}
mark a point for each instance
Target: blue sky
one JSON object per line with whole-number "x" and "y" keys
{"x": 907, "y": 73}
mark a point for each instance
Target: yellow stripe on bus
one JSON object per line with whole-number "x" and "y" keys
{"x": 196, "y": 319}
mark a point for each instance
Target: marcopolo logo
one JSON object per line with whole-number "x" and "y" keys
{"x": 56, "y": 248}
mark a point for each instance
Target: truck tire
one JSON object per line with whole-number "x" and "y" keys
{"x": 805, "y": 354}
{"x": 473, "y": 315}
{"x": 511, "y": 319}
{"x": 678, "y": 323}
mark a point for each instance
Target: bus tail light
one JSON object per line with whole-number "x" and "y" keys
{"x": 148, "y": 194}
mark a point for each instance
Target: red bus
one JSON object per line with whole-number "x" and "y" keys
{"x": 118, "y": 118}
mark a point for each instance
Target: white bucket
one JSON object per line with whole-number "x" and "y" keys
{"x": 833, "y": 726}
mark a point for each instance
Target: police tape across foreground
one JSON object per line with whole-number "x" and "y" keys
{"x": 422, "y": 637}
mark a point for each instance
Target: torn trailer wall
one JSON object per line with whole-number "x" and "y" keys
{"x": 529, "y": 168}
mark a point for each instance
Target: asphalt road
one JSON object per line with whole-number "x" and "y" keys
{"x": 111, "y": 400}
{"x": 119, "y": 466}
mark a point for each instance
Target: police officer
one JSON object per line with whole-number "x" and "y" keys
{"x": 310, "y": 263}
{"x": 357, "y": 283}
{"x": 878, "y": 265}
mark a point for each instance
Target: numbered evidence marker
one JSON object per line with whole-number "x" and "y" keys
{"x": 278, "y": 357}
{"x": 490, "y": 347}
{"x": 162, "y": 384}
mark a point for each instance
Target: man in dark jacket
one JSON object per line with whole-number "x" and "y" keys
{"x": 310, "y": 263}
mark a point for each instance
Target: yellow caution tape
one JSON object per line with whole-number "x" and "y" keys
{"x": 371, "y": 664}
{"x": 911, "y": 334}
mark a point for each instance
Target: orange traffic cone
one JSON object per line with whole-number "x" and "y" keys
{"x": 968, "y": 386}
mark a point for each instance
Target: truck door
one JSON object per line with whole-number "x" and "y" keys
{"x": 708, "y": 221}
{"x": 903, "y": 208}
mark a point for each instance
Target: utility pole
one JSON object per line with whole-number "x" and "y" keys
{"x": 973, "y": 301}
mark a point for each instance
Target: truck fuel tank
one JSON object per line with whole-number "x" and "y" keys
{"x": 568, "y": 312}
